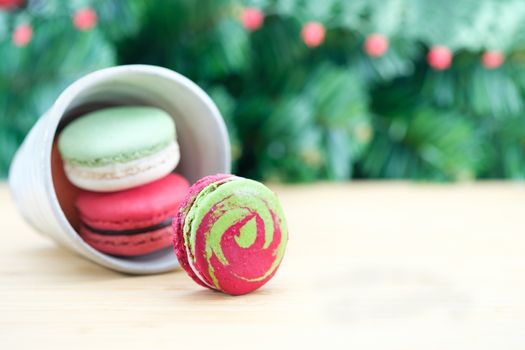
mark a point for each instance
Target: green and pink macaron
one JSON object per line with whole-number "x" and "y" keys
{"x": 230, "y": 234}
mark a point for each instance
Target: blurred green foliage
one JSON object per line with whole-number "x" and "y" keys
{"x": 297, "y": 113}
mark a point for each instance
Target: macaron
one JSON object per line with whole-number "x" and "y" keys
{"x": 131, "y": 222}
{"x": 230, "y": 234}
{"x": 119, "y": 148}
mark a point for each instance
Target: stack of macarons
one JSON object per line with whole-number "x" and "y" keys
{"x": 122, "y": 159}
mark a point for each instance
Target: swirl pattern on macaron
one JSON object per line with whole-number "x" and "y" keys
{"x": 231, "y": 234}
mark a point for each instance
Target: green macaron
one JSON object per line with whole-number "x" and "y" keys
{"x": 120, "y": 147}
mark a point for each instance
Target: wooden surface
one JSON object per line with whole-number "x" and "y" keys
{"x": 368, "y": 266}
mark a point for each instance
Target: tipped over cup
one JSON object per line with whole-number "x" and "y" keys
{"x": 37, "y": 181}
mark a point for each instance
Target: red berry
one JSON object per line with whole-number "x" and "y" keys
{"x": 439, "y": 57}
{"x": 252, "y": 18}
{"x": 376, "y": 45}
{"x": 85, "y": 19}
{"x": 492, "y": 59}
{"x": 10, "y": 4}
{"x": 313, "y": 34}
{"x": 22, "y": 35}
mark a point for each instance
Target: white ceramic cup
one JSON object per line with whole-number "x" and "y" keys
{"x": 201, "y": 134}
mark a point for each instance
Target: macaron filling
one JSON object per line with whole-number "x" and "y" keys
{"x": 129, "y": 232}
{"x": 120, "y": 158}
{"x": 118, "y": 176}
{"x": 169, "y": 154}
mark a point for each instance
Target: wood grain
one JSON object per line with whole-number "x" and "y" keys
{"x": 369, "y": 266}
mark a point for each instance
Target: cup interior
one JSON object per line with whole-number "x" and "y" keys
{"x": 201, "y": 135}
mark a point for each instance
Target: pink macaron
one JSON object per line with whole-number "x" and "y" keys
{"x": 132, "y": 222}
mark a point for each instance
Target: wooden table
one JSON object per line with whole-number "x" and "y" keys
{"x": 368, "y": 266}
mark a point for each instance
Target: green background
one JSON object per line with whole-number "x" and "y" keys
{"x": 297, "y": 113}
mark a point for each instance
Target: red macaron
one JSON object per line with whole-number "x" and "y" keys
{"x": 132, "y": 222}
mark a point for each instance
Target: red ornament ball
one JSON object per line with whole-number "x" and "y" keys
{"x": 85, "y": 19}
{"x": 376, "y": 45}
{"x": 252, "y": 18}
{"x": 439, "y": 57}
{"x": 492, "y": 59}
{"x": 7, "y": 5}
{"x": 22, "y": 35}
{"x": 313, "y": 34}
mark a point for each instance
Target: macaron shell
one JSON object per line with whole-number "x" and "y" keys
{"x": 116, "y": 135}
{"x": 178, "y": 223}
{"x": 128, "y": 245}
{"x": 138, "y": 207}
{"x": 236, "y": 234}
